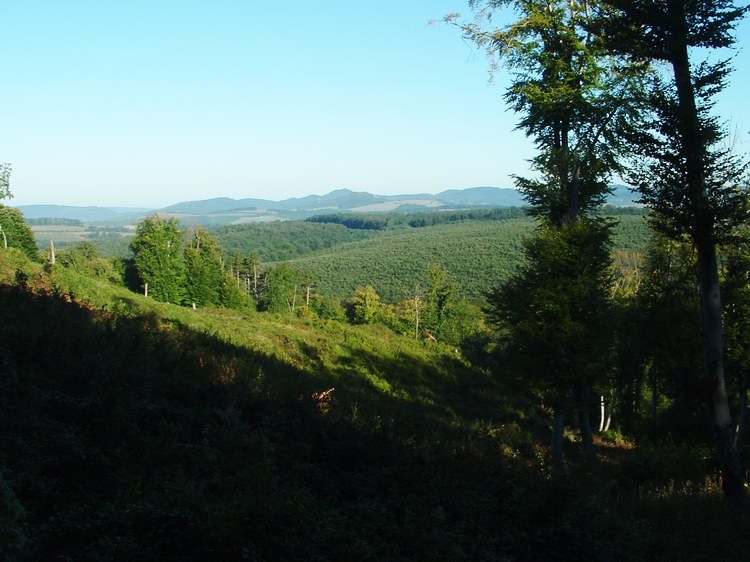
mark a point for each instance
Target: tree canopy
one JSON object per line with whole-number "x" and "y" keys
{"x": 157, "y": 251}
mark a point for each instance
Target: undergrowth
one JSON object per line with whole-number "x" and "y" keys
{"x": 139, "y": 430}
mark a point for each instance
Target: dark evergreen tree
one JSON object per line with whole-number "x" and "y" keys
{"x": 693, "y": 187}
{"x": 577, "y": 102}
{"x": 554, "y": 315}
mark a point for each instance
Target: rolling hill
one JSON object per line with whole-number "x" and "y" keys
{"x": 225, "y": 210}
{"x": 477, "y": 255}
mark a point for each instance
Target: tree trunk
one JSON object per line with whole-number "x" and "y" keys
{"x": 581, "y": 394}
{"x": 733, "y": 482}
{"x": 558, "y": 428}
{"x": 602, "y": 413}
{"x": 587, "y": 437}
{"x": 739, "y": 438}
{"x": 609, "y": 417}
{"x": 708, "y": 271}
{"x": 654, "y": 400}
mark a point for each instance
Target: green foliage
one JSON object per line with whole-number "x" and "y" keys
{"x": 232, "y": 296}
{"x": 674, "y": 347}
{"x": 575, "y": 99}
{"x": 476, "y": 255}
{"x": 694, "y": 187}
{"x": 364, "y": 305}
{"x": 15, "y": 232}
{"x": 382, "y": 221}
{"x": 157, "y": 250}
{"x": 327, "y": 308}
{"x": 280, "y": 289}
{"x": 553, "y": 313}
{"x": 438, "y": 301}
{"x": 84, "y": 258}
{"x": 203, "y": 270}
{"x": 736, "y": 293}
{"x": 693, "y": 184}
{"x": 282, "y": 240}
{"x": 661, "y": 175}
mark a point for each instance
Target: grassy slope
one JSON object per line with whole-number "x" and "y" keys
{"x": 134, "y": 429}
{"x": 476, "y": 254}
{"x": 165, "y": 380}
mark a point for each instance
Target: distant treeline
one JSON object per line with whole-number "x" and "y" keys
{"x": 383, "y": 221}
{"x": 612, "y": 211}
{"x": 283, "y": 240}
{"x": 50, "y": 221}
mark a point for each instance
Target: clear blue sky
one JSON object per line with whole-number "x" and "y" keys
{"x": 147, "y": 103}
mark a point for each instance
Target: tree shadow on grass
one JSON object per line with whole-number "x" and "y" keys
{"x": 125, "y": 435}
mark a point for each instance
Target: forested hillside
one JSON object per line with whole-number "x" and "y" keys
{"x": 394, "y": 255}
{"x": 477, "y": 255}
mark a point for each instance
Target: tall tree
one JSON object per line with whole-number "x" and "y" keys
{"x": 736, "y": 293}
{"x": 439, "y": 298}
{"x": 553, "y": 315}
{"x": 204, "y": 276}
{"x": 15, "y": 233}
{"x": 280, "y": 289}
{"x": 693, "y": 187}
{"x": 157, "y": 251}
{"x": 576, "y": 101}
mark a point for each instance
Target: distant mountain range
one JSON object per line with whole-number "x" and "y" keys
{"x": 224, "y": 210}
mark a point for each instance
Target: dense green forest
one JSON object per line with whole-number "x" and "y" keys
{"x": 477, "y": 255}
{"x": 476, "y": 252}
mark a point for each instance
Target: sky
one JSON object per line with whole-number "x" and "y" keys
{"x": 148, "y": 103}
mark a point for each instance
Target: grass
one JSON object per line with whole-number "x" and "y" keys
{"x": 141, "y": 430}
